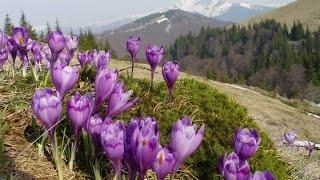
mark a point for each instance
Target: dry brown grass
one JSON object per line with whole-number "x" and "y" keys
{"x": 307, "y": 11}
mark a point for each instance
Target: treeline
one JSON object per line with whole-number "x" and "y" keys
{"x": 264, "y": 54}
{"x": 87, "y": 40}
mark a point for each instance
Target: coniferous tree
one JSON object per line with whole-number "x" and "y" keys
{"x": 8, "y": 25}
{"x": 48, "y": 30}
{"x": 58, "y": 27}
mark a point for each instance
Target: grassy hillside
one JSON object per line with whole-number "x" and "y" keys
{"x": 221, "y": 115}
{"x": 307, "y": 11}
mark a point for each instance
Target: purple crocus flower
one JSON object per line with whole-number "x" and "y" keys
{"x": 64, "y": 58}
{"x": 112, "y": 140}
{"x": 64, "y": 78}
{"x": 84, "y": 58}
{"x": 71, "y": 43}
{"x": 101, "y": 59}
{"x": 133, "y": 45}
{"x": 57, "y": 43}
{"x": 47, "y": 52}
{"x": 258, "y": 175}
{"x": 13, "y": 49}
{"x": 185, "y": 140}
{"x": 170, "y": 73}
{"x": 164, "y": 163}
{"x": 93, "y": 128}
{"x": 146, "y": 136}
{"x": 130, "y": 146}
{"x": 79, "y": 112}
{"x": 20, "y": 36}
{"x": 232, "y": 168}
{"x": 47, "y": 108}
{"x": 154, "y": 55}
{"x": 105, "y": 82}
{"x": 119, "y": 101}
{"x": 290, "y": 137}
{"x": 309, "y": 147}
{"x": 38, "y": 55}
{"x": 3, "y": 39}
{"x": 3, "y": 56}
{"x": 246, "y": 143}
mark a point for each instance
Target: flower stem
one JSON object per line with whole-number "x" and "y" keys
{"x": 152, "y": 76}
{"x": 12, "y": 72}
{"x": 46, "y": 78}
{"x": 57, "y": 157}
{"x": 170, "y": 95}
{"x": 41, "y": 145}
{"x": 34, "y": 73}
{"x": 172, "y": 176}
{"x": 132, "y": 67}
{"x": 96, "y": 170}
{"x": 73, "y": 152}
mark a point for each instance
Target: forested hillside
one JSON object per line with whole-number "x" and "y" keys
{"x": 265, "y": 54}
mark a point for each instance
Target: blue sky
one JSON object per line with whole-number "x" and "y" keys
{"x": 85, "y": 12}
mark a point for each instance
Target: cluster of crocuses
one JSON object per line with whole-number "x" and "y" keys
{"x": 235, "y": 166}
{"x": 137, "y": 145}
{"x": 154, "y": 55}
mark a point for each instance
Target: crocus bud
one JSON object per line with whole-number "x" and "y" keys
{"x": 38, "y": 55}
{"x": 47, "y": 52}
{"x": 78, "y": 111}
{"x": 57, "y": 43}
{"x": 154, "y": 55}
{"x": 112, "y": 140}
{"x": 3, "y": 56}
{"x": 147, "y": 144}
{"x": 246, "y": 143}
{"x": 71, "y": 43}
{"x": 290, "y": 137}
{"x": 13, "y": 49}
{"x": 104, "y": 83}
{"x": 232, "y": 169}
{"x": 170, "y": 73}
{"x": 94, "y": 128}
{"x": 185, "y": 140}
{"x": 164, "y": 163}
{"x": 130, "y": 147}
{"x": 133, "y": 45}
{"x": 119, "y": 101}
{"x": 258, "y": 175}
{"x": 84, "y": 58}
{"x": 47, "y": 108}
{"x": 101, "y": 59}
{"x": 64, "y": 78}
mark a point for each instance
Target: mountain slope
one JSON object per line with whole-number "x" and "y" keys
{"x": 225, "y": 10}
{"x": 159, "y": 28}
{"x": 307, "y": 11}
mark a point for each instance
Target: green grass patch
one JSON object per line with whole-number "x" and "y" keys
{"x": 198, "y": 100}
{"x": 204, "y": 105}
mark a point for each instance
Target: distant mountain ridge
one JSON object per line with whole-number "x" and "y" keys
{"x": 225, "y": 10}
{"x": 159, "y": 28}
